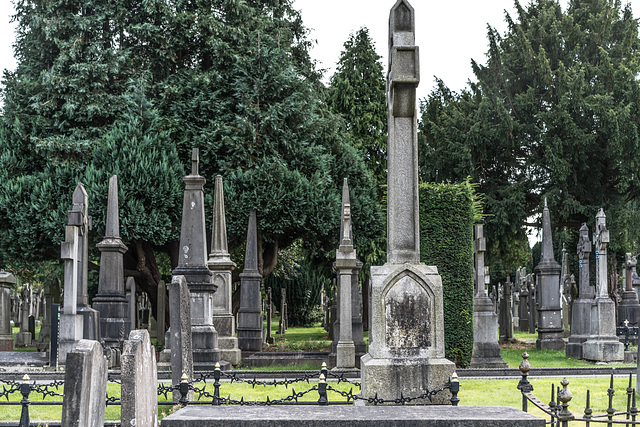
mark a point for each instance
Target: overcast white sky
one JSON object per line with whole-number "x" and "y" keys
{"x": 449, "y": 33}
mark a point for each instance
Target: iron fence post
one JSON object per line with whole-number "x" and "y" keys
{"x": 184, "y": 390}
{"x": 455, "y": 388}
{"x": 524, "y": 385}
{"x": 25, "y": 389}
{"x": 564, "y": 397}
{"x": 216, "y": 385}
{"x": 322, "y": 391}
{"x": 610, "y": 411}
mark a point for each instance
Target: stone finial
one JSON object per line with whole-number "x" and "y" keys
{"x": 195, "y": 160}
{"x": 6, "y": 277}
{"x": 402, "y": 26}
{"x": 345, "y": 202}
{"x": 601, "y": 235}
{"x": 113, "y": 220}
{"x": 251, "y": 253}
{"x": 584, "y": 243}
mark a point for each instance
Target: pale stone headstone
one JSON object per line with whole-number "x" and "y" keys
{"x": 406, "y": 355}
{"x": 192, "y": 264}
{"x": 524, "y": 301}
{"x": 110, "y": 301}
{"x": 629, "y": 308}
{"x": 85, "y": 386}
{"x": 7, "y": 280}
{"x": 90, "y": 316}
{"x": 71, "y": 322}
{"x": 603, "y": 344}
{"x": 139, "y": 396}
{"x": 550, "y": 330}
{"x": 132, "y": 308}
{"x": 44, "y": 339}
{"x": 486, "y": 351}
{"x": 221, "y": 266}
{"x": 181, "y": 344}
{"x": 249, "y": 318}
{"x": 565, "y": 292}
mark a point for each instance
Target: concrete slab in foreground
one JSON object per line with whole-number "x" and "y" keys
{"x": 351, "y": 416}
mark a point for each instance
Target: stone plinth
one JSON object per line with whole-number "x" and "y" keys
{"x": 7, "y": 280}
{"x": 249, "y": 316}
{"x": 350, "y": 416}
{"x": 407, "y": 334}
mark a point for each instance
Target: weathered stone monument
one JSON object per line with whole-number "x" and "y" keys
{"x": 110, "y": 300}
{"x": 406, "y": 354}
{"x": 221, "y": 266}
{"x": 90, "y": 316}
{"x": 357, "y": 329}
{"x": 180, "y": 333}
{"x": 602, "y": 345}
{"x": 550, "y": 330}
{"x": 505, "y": 318}
{"x": 51, "y": 296}
{"x": 533, "y": 303}
{"x": 486, "y": 351}
{"x": 71, "y": 321}
{"x": 629, "y": 308}
{"x": 192, "y": 264}
{"x": 85, "y": 386}
{"x": 565, "y": 292}
{"x": 345, "y": 265}
{"x": 515, "y": 298}
{"x": 581, "y": 309}
{"x": 249, "y": 317}
{"x": 25, "y": 336}
{"x": 524, "y": 301}
{"x": 7, "y": 280}
{"x": 139, "y": 396}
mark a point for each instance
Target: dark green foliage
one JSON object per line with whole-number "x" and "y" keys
{"x": 554, "y": 113}
{"x": 303, "y": 294}
{"x": 446, "y": 241}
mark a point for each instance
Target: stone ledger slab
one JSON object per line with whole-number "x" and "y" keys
{"x": 311, "y": 416}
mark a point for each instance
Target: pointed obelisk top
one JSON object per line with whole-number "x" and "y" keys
{"x": 547, "y": 242}
{"x": 80, "y": 196}
{"x": 219, "y": 255}
{"x": 251, "y": 253}
{"x": 113, "y": 220}
{"x": 402, "y": 24}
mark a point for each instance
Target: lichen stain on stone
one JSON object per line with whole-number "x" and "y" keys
{"x": 407, "y": 313}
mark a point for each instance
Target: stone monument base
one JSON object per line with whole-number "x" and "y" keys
{"x": 487, "y": 355}
{"x": 410, "y": 377}
{"x": 550, "y": 339}
{"x": 573, "y": 349}
{"x": 6, "y": 343}
{"x": 229, "y": 350}
{"x": 23, "y": 339}
{"x": 603, "y": 349}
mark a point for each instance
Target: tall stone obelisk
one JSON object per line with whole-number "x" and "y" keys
{"x": 486, "y": 350}
{"x": 581, "y": 310}
{"x": 550, "y": 330}
{"x": 249, "y": 318}
{"x": 221, "y": 266}
{"x": 192, "y": 264}
{"x": 603, "y": 344}
{"x": 406, "y": 355}
{"x": 110, "y": 300}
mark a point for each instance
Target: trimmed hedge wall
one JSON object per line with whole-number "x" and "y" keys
{"x": 446, "y": 241}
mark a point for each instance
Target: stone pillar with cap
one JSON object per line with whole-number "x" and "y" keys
{"x": 249, "y": 316}
{"x": 629, "y": 308}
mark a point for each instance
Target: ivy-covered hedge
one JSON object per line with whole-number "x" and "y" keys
{"x": 446, "y": 241}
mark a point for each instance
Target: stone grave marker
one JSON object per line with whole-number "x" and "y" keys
{"x": 7, "y": 281}
{"x": 85, "y": 386}
{"x": 24, "y": 337}
{"x": 139, "y": 396}
{"x": 181, "y": 344}
{"x": 406, "y": 355}
{"x": 110, "y": 301}
{"x": 603, "y": 344}
{"x": 249, "y": 318}
{"x": 550, "y": 330}
{"x": 221, "y": 267}
{"x": 629, "y": 308}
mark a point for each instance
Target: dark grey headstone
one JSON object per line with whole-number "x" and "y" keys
{"x": 181, "y": 348}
